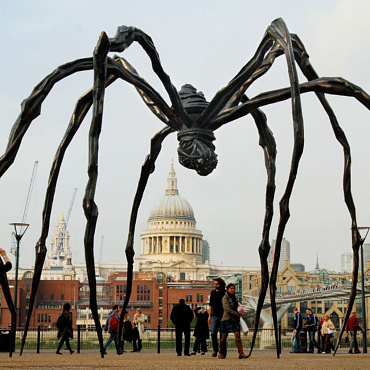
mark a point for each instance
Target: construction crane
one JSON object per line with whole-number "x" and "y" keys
{"x": 60, "y": 246}
{"x": 13, "y": 248}
{"x": 101, "y": 248}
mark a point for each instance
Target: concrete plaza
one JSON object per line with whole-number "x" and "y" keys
{"x": 169, "y": 359}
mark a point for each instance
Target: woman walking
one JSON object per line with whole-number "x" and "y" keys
{"x": 327, "y": 331}
{"x": 230, "y": 322}
{"x": 65, "y": 330}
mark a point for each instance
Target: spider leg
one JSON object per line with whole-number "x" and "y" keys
{"x": 9, "y": 300}
{"x": 146, "y": 169}
{"x": 267, "y": 142}
{"x": 303, "y": 61}
{"x": 89, "y": 205}
{"x": 83, "y": 105}
{"x": 124, "y": 37}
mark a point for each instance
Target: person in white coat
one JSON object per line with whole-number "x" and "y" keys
{"x": 139, "y": 330}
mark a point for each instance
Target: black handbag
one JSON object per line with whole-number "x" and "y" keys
{"x": 346, "y": 339}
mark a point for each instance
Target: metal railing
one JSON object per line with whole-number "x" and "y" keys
{"x": 156, "y": 339}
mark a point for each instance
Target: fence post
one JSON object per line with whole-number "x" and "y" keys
{"x": 38, "y": 338}
{"x": 78, "y": 338}
{"x": 279, "y": 339}
{"x": 159, "y": 339}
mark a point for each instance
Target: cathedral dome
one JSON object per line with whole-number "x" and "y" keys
{"x": 172, "y": 205}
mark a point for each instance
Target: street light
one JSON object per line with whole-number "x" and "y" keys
{"x": 18, "y": 232}
{"x": 363, "y": 287}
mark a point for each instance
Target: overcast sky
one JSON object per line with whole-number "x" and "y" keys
{"x": 204, "y": 43}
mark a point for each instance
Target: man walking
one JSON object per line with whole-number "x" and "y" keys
{"x": 297, "y": 326}
{"x": 112, "y": 326}
{"x": 182, "y": 316}
{"x": 216, "y": 312}
{"x": 311, "y": 326}
{"x": 352, "y": 327}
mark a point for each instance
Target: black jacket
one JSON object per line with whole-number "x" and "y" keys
{"x": 182, "y": 315}
{"x": 201, "y": 327}
{"x": 297, "y": 322}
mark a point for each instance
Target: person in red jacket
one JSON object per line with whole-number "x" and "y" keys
{"x": 350, "y": 328}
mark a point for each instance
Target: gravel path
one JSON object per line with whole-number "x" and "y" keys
{"x": 169, "y": 360}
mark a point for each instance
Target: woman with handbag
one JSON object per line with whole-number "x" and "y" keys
{"x": 230, "y": 322}
{"x": 139, "y": 330}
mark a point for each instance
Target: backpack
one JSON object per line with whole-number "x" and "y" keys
{"x": 113, "y": 323}
{"x": 317, "y": 320}
{"x": 61, "y": 322}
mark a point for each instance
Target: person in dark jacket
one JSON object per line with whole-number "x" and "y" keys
{"x": 182, "y": 316}
{"x": 216, "y": 311}
{"x": 297, "y": 327}
{"x": 65, "y": 333}
{"x": 201, "y": 332}
{"x": 311, "y": 327}
{"x": 5, "y": 267}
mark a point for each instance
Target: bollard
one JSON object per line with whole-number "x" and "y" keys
{"x": 38, "y": 338}
{"x": 159, "y": 339}
{"x": 78, "y": 338}
{"x": 279, "y": 339}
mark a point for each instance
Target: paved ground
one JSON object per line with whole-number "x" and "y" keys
{"x": 167, "y": 360}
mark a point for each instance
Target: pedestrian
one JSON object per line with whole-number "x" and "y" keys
{"x": 182, "y": 316}
{"x": 216, "y": 312}
{"x": 112, "y": 326}
{"x": 65, "y": 330}
{"x": 230, "y": 322}
{"x": 311, "y": 327}
{"x": 5, "y": 267}
{"x": 139, "y": 330}
{"x": 297, "y": 327}
{"x": 327, "y": 331}
{"x": 126, "y": 331}
{"x": 352, "y": 327}
{"x": 201, "y": 332}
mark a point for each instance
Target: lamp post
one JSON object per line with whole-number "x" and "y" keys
{"x": 363, "y": 288}
{"x": 19, "y": 230}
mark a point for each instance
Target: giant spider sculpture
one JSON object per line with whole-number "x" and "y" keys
{"x": 195, "y": 120}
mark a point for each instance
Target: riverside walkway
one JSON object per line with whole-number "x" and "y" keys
{"x": 265, "y": 359}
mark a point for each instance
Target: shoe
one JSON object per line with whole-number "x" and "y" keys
{"x": 203, "y": 353}
{"x": 214, "y": 354}
{"x": 220, "y": 355}
{"x": 242, "y": 355}
{"x": 72, "y": 352}
{"x": 193, "y": 353}
{"x": 133, "y": 350}
{"x": 187, "y": 354}
{"x": 350, "y": 352}
{"x": 179, "y": 354}
{"x": 358, "y": 352}
{"x": 58, "y": 353}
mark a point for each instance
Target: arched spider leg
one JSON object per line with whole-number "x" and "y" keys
{"x": 303, "y": 61}
{"x": 89, "y": 205}
{"x": 9, "y": 300}
{"x": 124, "y": 37}
{"x": 146, "y": 170}
{"x": 276, "y": 34}
{"x": 267, "y": 142}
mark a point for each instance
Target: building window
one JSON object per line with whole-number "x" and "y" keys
{"x": 182, "y": 275}
{"x": 49, "y": 317}
{"x": 52, "y": 297}
{"x": 38, "y": 317}
{"x": 62, "y": 297}
{"x": 149, "y": 318}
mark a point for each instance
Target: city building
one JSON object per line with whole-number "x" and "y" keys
{"x": 284, "y": 253}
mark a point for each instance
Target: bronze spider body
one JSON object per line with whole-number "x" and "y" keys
{"x": 195, "y": 121}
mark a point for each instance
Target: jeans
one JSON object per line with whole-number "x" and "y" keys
{"x": 215, "y": 328}
{"x": 113, "y": 337}
{"x": 313, "y": 342}
{"x": 296, "y": 342}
